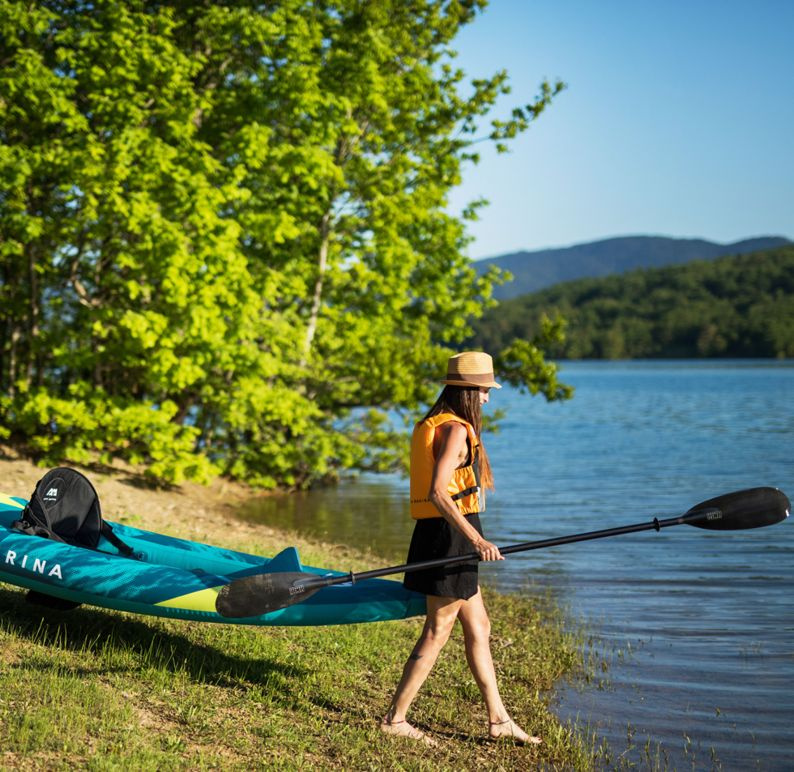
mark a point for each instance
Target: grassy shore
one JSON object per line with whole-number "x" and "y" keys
{"x": 100, "y": 689}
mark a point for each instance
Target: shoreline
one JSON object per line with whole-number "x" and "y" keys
{"x": 163, "y": 693}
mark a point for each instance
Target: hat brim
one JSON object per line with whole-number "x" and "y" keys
{"x": 487, "y": 385}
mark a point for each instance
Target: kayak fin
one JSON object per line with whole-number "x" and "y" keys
{"x": 286, "y": 561}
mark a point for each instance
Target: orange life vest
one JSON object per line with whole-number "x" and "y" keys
{"x": 464, "y": 487}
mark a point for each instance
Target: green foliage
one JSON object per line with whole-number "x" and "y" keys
{"x": 224, "y": 232}
{"x": 522, "y": 364}
{"x": 741, "y": 306}
{"x": 82, "y": 426}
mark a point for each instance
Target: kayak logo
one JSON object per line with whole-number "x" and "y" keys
{"x": 37, "y": 565}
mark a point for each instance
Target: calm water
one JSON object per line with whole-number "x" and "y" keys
{"x": 704, "y": 621}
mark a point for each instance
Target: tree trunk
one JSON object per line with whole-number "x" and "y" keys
{"x": 33, "y": 367}
{"x": 317, "y": 299}
{"x": 12, "y": 359}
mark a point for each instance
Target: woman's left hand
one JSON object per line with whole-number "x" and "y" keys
{"x": 488, "y": 551}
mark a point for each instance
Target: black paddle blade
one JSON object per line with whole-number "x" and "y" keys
{"x": 751, "y": 508}
{"x": 259, "y": 594}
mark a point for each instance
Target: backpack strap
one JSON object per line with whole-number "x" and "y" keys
{"x": 23, "y": 525}
{"x": 121, "y": 546}
{"x": 32, "y": 529}
{"x": 34, "y": 519}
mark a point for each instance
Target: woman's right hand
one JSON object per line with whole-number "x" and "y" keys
{"x": 488, "y": 551}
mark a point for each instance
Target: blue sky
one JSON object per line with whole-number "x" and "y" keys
{"x": 678, "y": 120}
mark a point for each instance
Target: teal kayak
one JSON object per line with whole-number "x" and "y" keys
{"x": 177, "y": 578}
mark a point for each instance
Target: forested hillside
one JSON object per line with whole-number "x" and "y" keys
{"x": 534, "y": 271}
{"x": 741, "y": 306}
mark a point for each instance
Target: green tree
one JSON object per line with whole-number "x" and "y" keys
{"x": 225, "y": 238}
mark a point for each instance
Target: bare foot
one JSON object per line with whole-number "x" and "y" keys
{"x": 404, "y": 729}
{"x": 509, "y": 730}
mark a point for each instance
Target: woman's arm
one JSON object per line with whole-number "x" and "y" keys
{"x": 451, "y": 451}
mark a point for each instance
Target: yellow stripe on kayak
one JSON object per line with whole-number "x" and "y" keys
{"x": 9, "y": 502}
{"x": 201, "y": 600}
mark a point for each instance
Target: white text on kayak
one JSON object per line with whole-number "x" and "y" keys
{"x": 37, "y": 565}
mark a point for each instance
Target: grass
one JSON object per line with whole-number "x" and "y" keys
{"x": 107, "y": 690}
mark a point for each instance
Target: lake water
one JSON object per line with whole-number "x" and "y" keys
{"x": 700, "y": 624}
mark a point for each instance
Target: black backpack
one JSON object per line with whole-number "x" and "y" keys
{"x": 65, "y": 507}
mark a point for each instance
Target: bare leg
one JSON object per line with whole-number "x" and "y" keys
{"x": 476, "y": 635}
{"x": 441, "y": 616}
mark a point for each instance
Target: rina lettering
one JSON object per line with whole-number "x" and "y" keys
{"x": 36, "y": 565}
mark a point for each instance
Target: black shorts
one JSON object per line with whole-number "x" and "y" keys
{"x": 435, "y": 538}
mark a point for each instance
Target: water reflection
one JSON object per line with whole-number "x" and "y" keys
{"x": 370, "y": 512}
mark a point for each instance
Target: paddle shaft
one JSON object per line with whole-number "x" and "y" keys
{"x": 654, "y": 524}
{"x": 265, "y": 592}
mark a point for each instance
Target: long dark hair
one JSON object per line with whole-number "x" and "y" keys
{"x": 464, "y": 402}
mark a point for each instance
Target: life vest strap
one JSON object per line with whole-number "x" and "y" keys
{"x": 467, "y": 492}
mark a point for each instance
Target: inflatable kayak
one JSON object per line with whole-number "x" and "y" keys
{"x": 172, "y": 577}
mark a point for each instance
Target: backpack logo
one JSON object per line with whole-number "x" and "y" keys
{"x": 52, "y": 492}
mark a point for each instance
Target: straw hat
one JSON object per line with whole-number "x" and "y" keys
{"x": 471, "y": 368}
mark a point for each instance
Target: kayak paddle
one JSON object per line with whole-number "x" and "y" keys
{"x": 263, "y": 593}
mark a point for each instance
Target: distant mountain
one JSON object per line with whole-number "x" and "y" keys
{"x": 733, "y": 306}
{"x": 535, "y": 270}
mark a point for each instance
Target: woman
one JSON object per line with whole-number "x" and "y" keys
{"x": 449, "y": 471}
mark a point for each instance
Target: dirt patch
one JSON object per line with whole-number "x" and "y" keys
{"x": 203, "y": 513}
{"x": 190, "y": 510}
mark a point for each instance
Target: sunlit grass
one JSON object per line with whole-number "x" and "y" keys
{"x": 108, "y": 690}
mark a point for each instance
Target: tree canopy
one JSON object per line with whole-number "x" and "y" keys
{"x": 736, "y": 306}
{"x": 224, "y": 230}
